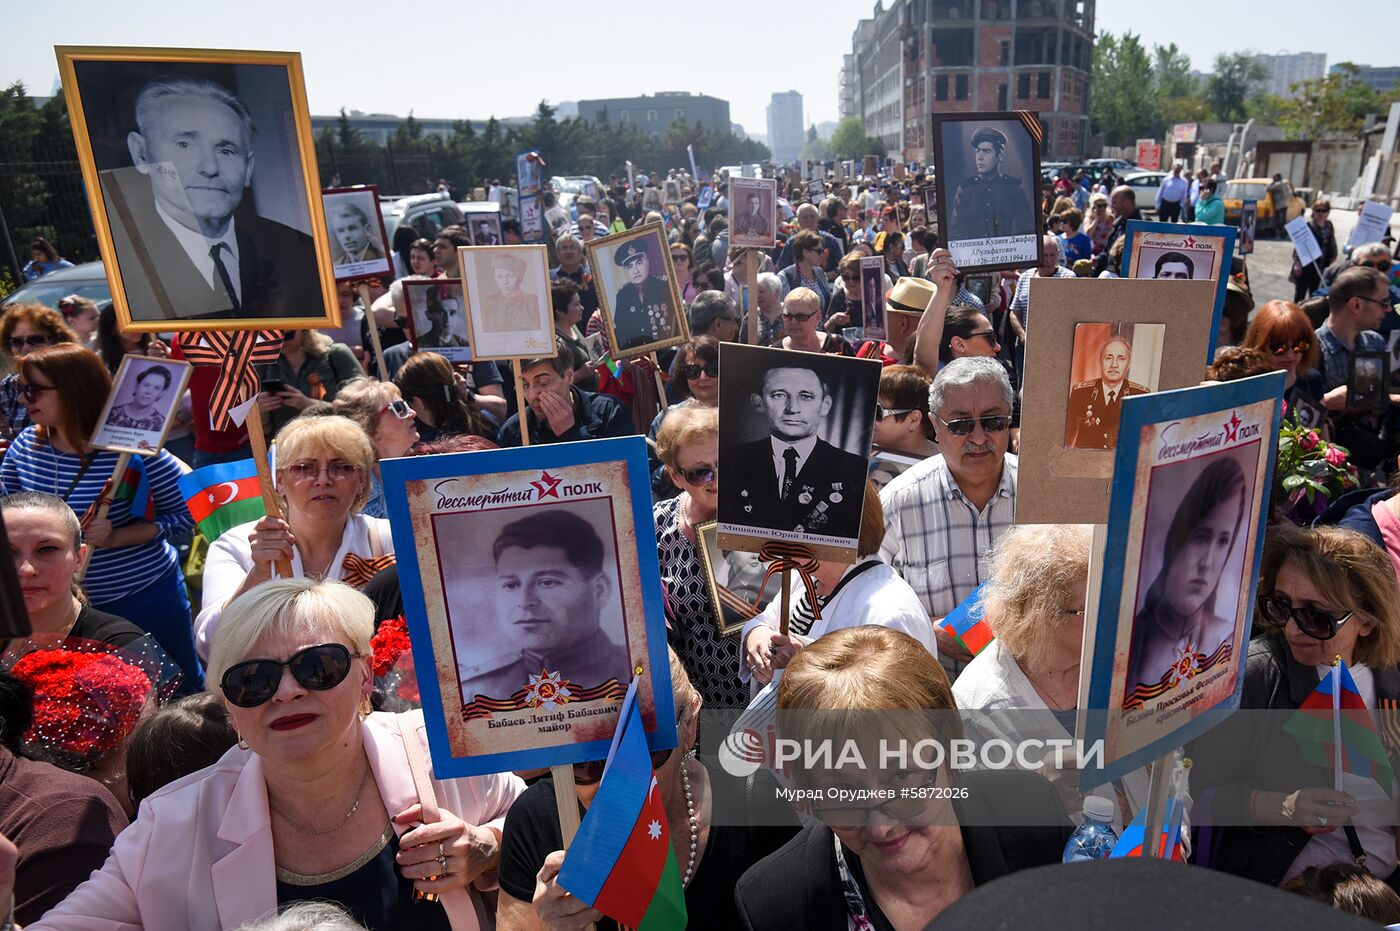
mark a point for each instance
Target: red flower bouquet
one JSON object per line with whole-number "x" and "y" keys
{"x": 391, "y": 661}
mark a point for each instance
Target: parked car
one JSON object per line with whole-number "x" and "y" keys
{"x": 568, "y": 188}
{"x": 426, "y": 213}
{"x": 87, "y": 280}
{"x": 1145, "y": 185}
{"x": 1257, "y": 189}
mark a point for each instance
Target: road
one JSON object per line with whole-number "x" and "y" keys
{"x": 1272, "y": 258}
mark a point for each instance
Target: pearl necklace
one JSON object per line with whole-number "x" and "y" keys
{"x": 690, "y": 814}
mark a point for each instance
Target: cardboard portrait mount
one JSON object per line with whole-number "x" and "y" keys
{"x": 1057, "y": 484}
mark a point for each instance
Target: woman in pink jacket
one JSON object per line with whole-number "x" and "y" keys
{"x": 321, "y": 799}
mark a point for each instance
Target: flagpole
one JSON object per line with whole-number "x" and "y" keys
{"x": 566, "y": 802}
{"x": 104, "y": 504}
{"x": 1337, "y": 723}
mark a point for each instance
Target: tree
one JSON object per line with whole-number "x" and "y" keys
{"x": 816, "y": 149}
{"x": 1171, "y": 73}
{"x": 1337, "y": 102}
{"x": 850, "y": 140}
{"x": 1124, "y": 104}
{"x": 1236, "y": 78}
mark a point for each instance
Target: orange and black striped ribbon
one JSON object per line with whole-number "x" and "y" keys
{"x": 356, "y": 571}
{"x": 236, "y": 353}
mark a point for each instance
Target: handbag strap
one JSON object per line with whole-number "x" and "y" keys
{"x": 422, "y": 779}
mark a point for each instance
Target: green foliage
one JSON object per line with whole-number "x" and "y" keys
{"x": 1236, "y": 78}
{"x": 47, "y": 199}
{"x": 1124, "y": 104}
{"x": 850, "y": 140}
{"x": 1337, "y": 102}
{"x": 818, "y": 149}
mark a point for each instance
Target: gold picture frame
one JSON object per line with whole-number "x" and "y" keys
{"x": 124, "y": 201}
{"x": 609, "y": 279}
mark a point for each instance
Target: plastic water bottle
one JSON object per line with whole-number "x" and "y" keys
{"x": 1094, "y": 839}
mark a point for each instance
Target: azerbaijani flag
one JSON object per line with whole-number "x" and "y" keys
{"x": 621, "y": 861}
{"x": 135, "y": 488}
{"x": 1343, "y": 742}
{"x": 223, "y": 495}
{"x": 1168, "y": 847}
{"x": 612, "y": 366}
{"x": 967, "y": 623}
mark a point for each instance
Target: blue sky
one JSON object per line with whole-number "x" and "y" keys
{"x": 456, "y": 60}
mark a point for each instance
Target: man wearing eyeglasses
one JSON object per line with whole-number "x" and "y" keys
{"x": 792, "y": 479}
{"x": 944, "y": 513}
{"x": 1095, "y": 406}
{"x": 551, "y": 590}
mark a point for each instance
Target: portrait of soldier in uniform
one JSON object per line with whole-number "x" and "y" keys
{"x": 187, "y": 235}
{"x": 792, "y": 479}
{"x": 353, "y": 236}
{"x": 506, "y": 305}
{"x": 438, "y": 318}
{"x": 551, "y": 590}
{"x": 754, "y": 220}
{"x": 1174, "y": 265}
{"x": 1095, "y": 405}
{"x": 752, "y": 212}
{"x": 484, "y": 234}
{"x": 641, "y": 311}
{"x": 989, "y": 203}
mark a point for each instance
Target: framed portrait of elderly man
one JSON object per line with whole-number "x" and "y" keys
{"x": 987, "y": 187}
{"x": 753, "y": 212}
{"x": 509, "y": 315}
{"x": 533, "y": 600}
{"x": 201, "y": 175}
{"x": 437, "y": 318}
{"x": 141, "y": 405}
{"x": 1100, "y": 343}
{"x": 735, "y": 579}
{"x": 637, "y": 292}
{"x": 795, "y": 435}
{"x": 359, "y": 244}
{"x": 1190, "y": 502}
{"x": 1178, "y": 252}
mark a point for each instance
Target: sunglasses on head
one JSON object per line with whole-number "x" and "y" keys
{"x": 1278, "y": 347}
{"x": 32, "y": 342}
{"x": 399, "y": 408}
{"x": 963, "y": 426}
{"x": 709, "y": 368}
{"x": 1315, "y": 622}
{"x": 319, "y": 668}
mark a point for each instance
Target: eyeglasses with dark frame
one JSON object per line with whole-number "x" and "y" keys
{"x": 1278, "y": 346}
{"x": 29, "y": 342}
{"x": 254, "y": 682}
{"x": 711, "y": 369}
{"x": 1315, "y": 622}
{"x": 801, "y": 318}
{"x": 31, "y": 392}
{"x": 963, "y": 426}
{"x": 989, "y": 335}
{"x": 881, "y": 412}
{"x": 1372, "y": 300}
{"x": 700, "y": 475}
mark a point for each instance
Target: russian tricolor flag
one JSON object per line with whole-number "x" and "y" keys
{"x": 621, "y": 861}
{"x": 968, "y": 623}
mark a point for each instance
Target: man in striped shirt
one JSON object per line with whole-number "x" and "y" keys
{"x": 944, "y": 514}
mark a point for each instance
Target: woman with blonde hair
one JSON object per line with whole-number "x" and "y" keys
{"x": 321, "y": 800}
{"x": 323, "y": 474}
{"x": 388, "y": 421}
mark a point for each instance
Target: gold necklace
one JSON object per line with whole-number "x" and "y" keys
{"x": 317, "y": 832}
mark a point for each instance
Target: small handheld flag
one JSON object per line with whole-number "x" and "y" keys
{"x": 223, "y": 495}
{"x": 1168, "y": 845}
{"x": 967, "y": 623}
{"x": 135, "y": 488}
{"x": 1334, "y": 729}
{"x": 621, "y": 861}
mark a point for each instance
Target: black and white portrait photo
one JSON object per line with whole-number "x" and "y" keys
{"x": 543, "y": 581}
{"x": 1367, "y": 381}
{"x": 356, "y": 233}
{"x": 141, "y": 405}
{"x": 795, "y": 435}
{"x": 988, "y": 181}
{"x": 1199, "y": 515}
{"x": 508, "y": 307}
{"x": 437, "y": 318}
{"x": 202, "y": 181}
{"x": 641, "y": 304}
{"x": 485, "y": 228}
{"x": 753, "y": 212}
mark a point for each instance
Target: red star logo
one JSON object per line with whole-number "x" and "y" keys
{"x": 1232, "y": 427}
{"x": 547, "y": 486}
{"x": 1189, "y": 242}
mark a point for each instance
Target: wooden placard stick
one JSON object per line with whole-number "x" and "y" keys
{"x": 373, "y": 328}
{"x": 751, "y": 260}
{"x": 565, "y": 801}
{"x": 258, "y": 442}
{"x": 523, "y": 410}
{"x": 104, "y": 504}
{"x": 786, "y": 604}
{"x": 660, "y": 382}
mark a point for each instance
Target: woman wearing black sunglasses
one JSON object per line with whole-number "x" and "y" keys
{"x": 319, "y": 801}
{"x": 1323, "y": 593}
{"x": 387, "y": 419}
{"x": 23, "y": 329}
{"x": 695, "y": 380}
{"x": 1283, "y": 333}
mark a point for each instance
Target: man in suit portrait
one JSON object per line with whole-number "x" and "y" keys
{"x": 642, "y": 312}
{"x": 792, "y": 479}
{"x": 754, "y": 220}
{"x": 189, "y": 244}
{"x": 990, "y": 204}
{"x": 353, "y": 239}
{"x": 550, "y": 592}
{"x": 1094, "y": 406}
{"x": 1174, "y": 265}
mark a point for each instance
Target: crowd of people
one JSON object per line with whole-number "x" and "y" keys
{"x": 288, "y": 784}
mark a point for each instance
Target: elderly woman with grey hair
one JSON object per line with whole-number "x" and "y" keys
{"x": 1025, "y": 684}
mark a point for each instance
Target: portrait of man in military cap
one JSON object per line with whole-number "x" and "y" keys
{"x": 986, "y": 186}
{"x": 554, "y": 592}
{"x": 1095, "y": 404}
{"x": 753, "y": 206}
{"x": 508, "y": 310}
{"x": 641, "y": 304}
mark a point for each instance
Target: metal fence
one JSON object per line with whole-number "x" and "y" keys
{"x": 44, "y": 199}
